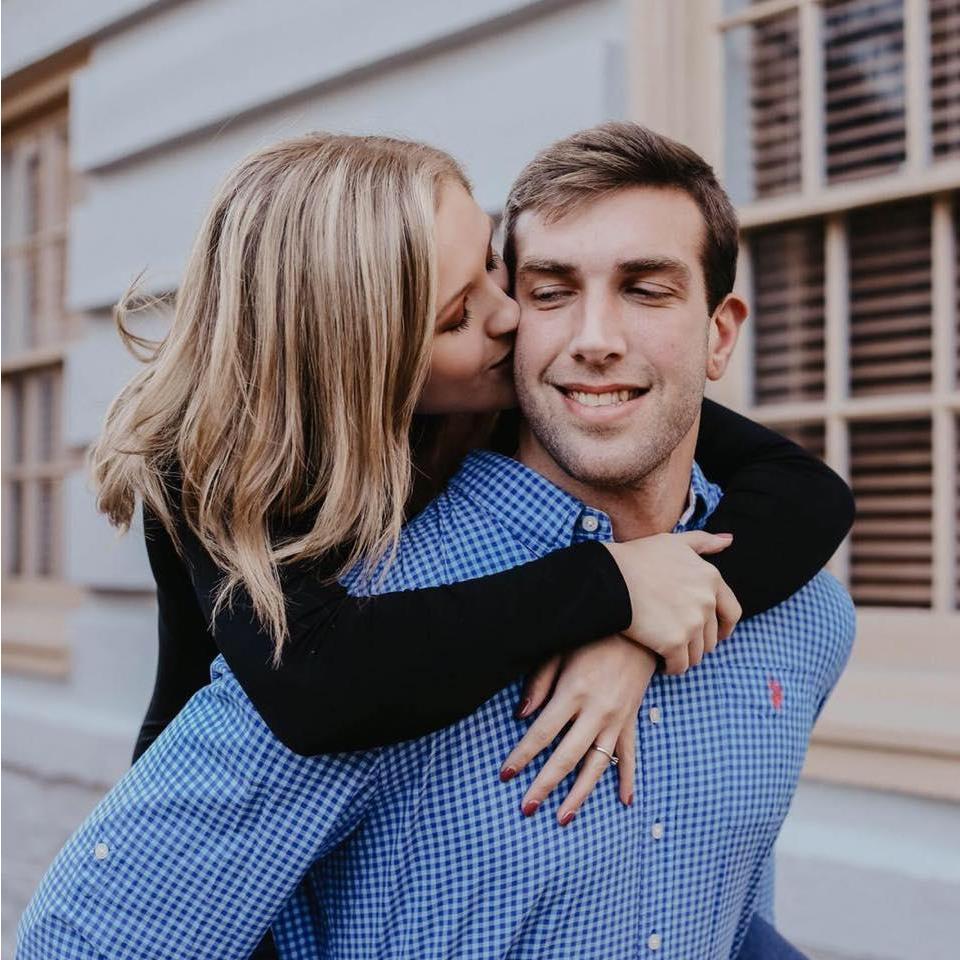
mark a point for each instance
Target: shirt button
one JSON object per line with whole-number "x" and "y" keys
{"x": 656, "y": 831}
{"x": 654, "y": 941}
{"x": 101, "y": 851}
{"x": 654, "y": 714}
{"x": 590, "y": 523}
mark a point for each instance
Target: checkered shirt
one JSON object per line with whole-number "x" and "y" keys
{"x": 417, "y": 850}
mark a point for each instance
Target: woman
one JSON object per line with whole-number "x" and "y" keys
{"x": 271, "y": 438}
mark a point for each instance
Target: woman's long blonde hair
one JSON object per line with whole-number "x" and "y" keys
{"x": 286, "y": 386}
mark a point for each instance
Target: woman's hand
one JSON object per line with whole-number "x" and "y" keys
{"x": 681, "y": 604}
{"x": 597, "y": 691}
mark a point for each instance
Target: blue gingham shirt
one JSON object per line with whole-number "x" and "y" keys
{"x": 417, "y": 850}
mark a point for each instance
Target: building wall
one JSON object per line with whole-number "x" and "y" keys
{"x": 166, "y": 96}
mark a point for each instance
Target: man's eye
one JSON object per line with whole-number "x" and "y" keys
{"x": 548, "y": 296}
{"x": 649, "y": 293}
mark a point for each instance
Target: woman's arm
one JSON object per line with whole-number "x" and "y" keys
{"x": 787, "y": 510}
{"x": 185, "y": 647}
{"x": 364, "y": 672}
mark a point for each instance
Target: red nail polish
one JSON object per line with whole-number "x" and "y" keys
{"x": 630, "y": 800}
{"x": 567, "y": 817}
{"x": 507, "y": 773}
{"x": 523, "y": 709}
{"x": 530, "y": 807}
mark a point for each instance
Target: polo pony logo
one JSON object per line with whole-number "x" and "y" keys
{"x": 776, "y": 693}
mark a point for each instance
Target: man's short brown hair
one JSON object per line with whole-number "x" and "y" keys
{"x": 615, "y": 156}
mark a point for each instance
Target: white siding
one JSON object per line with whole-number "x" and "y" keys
{"x": 492, "y": 102}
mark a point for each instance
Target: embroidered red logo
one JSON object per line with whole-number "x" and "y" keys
{"x": 776, "y": 693}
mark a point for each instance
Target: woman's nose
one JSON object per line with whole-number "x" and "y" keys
{"x": 505, "y": 316}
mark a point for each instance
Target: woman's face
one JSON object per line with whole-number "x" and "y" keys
{"x": 471, "y": 367}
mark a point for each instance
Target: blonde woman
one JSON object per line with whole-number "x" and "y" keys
{"x": 336, "y": 346}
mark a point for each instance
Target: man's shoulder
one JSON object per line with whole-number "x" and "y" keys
{"x": 814, "y": 628}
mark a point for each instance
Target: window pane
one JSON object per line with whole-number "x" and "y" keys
{"x": 788, "y": 312}
{"x": 33, "y": 198}
{"x": 892, "y": 543}
{"x": 891, "y": 344}
{"x": 763, "y": 98}
{"x": 13, "y": 530}
{"x": 17, "y": 399}
{"x": 864, "y": 95}
{"x": 945, "y": 76}
{"x": 47, "y": 389}
{"x": 46, "y": 522}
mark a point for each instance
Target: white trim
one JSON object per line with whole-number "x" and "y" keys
{"x": 943, "y": 175}
{"x": 916, "y": 52}
{"x": 943, "y": 321}
{"x": 758, "y": 11}
{"x": 812, "y": 147}
{"x": 837, "y": 364}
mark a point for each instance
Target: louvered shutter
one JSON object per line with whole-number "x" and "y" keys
{"x": 945, "y": 76}
{"x": 775, "y": 105}
{"x": 788, "y": 312}
{"x": 891, "y": 343}
{"x": 892, "y": 479}
{"x": 811, "y": 436}
{"x": 864, "y": 92}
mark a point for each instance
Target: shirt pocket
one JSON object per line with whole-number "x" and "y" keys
{"x": 767, "y": 714}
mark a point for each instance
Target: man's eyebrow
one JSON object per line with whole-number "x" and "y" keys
{"x": 554, "y": 267}
{"x": 466, "y": 286}
{"x": 646, "y": 265}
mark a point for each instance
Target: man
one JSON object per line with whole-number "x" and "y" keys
{"x": 623, "y": 250}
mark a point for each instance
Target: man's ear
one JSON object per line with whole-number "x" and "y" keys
{"x": 724, "y": 330}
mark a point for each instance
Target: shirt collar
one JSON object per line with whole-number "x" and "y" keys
{"x": 546, "y": 518}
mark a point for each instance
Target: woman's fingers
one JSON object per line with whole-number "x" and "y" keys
{"x": 595, "y": 765}
{"x": 571, "y": 750}
{"x": 695, "y": 650}
{"x": 538, "y": 687}
{"x": 541, "y": 734}
{"x": 627, "y": 752}
{"x": 710, "y": 636}
{"x": 729, "y": 610}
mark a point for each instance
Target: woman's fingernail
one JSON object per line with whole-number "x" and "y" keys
{"x": 530, "y": 807}
{"x": 630, "y": 800}
{"x": 726, "y": 536}
{"x": 523, "y": 709}
{"x": 507, "y": 773}
{"x": 567, "y": 817}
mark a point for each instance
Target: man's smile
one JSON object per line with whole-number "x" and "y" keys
{"x": 601, "y": 401}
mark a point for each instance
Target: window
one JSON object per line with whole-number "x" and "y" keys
{"x": 36, "y": 327}
{"x": 852, "y": 266}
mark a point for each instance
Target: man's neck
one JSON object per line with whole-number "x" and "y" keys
{"x": 654, "y": 505}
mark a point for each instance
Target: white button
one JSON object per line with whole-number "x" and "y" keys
{"x": 101, "y": 851}
{"x": 654, "y": 941}
{"x": 654, "y": 714}
{"x": 656, "y": 831}
{"x": 590, "y": 523}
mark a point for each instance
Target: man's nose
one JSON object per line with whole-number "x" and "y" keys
{"x": 598, "y": 336}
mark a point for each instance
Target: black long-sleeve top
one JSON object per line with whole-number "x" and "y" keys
{"x": 364, "y": 672}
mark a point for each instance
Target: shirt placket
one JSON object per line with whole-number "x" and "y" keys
{"x": 650, "y": 936}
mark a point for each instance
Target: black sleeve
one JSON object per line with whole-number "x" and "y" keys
{"x": 359, "y": 673}
{"x": 788, "y": 512}
{"x": 185, "y": 647}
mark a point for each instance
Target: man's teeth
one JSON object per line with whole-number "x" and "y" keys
{"x": 602, "y": 399}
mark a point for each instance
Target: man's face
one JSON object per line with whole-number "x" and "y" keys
{"x": 612, "y": 348}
